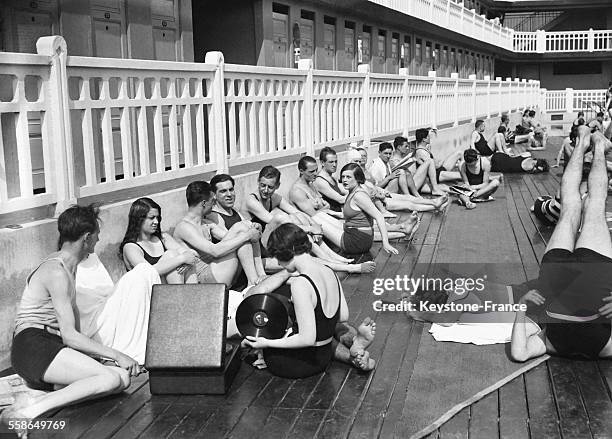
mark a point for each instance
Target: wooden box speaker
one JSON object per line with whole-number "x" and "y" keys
{"x": 186, "y": 348}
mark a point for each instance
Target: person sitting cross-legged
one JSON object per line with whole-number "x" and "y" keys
{"x": 475, "y": 175}
{"x": 321, "y": 314}
{"x": 48, "y": 350}
{"x": 575, "y": 279}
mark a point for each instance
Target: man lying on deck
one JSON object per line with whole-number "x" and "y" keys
{"x": 575, "y": 281}
{"x": 48, "y": 350}
{"x": 216, "y": 262}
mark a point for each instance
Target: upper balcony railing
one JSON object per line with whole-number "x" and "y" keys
{"x": 454, "y": 16}
{"x": 78, "y": 127}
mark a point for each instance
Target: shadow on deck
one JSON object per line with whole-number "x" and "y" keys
{"x": 559, "y": 398}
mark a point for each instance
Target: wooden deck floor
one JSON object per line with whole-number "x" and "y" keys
{"x": 556, "y": 399}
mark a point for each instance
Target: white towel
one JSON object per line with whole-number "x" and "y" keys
{"x": 115, "y": 315}
{"x": 475, "y": 333}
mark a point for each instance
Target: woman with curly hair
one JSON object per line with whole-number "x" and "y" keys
{"x": 145, "y": 242}
{"x": 320, "y": 312}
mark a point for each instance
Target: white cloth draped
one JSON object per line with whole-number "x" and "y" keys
{"x": 115, "y": 315}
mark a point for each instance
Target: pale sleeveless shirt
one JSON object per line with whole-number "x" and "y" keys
{"x": 36, "y": 307}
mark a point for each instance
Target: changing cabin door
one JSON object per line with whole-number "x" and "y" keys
{"x": 329, "y": 47}
{"x": 280, "y": 25}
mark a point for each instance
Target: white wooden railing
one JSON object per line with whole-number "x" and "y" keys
{"x": 572, "y": 101}
{"x": 77, "y": 127}
{"x": 456, "y": 17}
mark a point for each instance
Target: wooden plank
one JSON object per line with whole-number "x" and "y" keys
{"x": 228, "y": 414}
{"x": 484, "y": 418}
{"x": 112, "y": 421}
{"x": 145, "y": 417}
{"x": 528, "y": 256}
{"x": 572, "y": 414}
{"x": 168, "y": 421}
{"x": 457, "y": 426}
{"x": 250, "y": 424}
{"x": 83, "y": 416}
{"x": 278, "y": 423}
{"x": 596, "y": 398}
{"x": 513, "y": 410}
{"x": 393, "y": 374}
{"x": 190, "y": 425}
{"x": 307, "y": 424}
{"x": 543, "y": 417}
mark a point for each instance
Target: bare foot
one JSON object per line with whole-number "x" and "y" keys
{"x": 363, "y": 361}
{"x": 464, "y": 200}
{"x": 367, "y": 267}
{"x": 13, "y": 413}
{"x": 440, "y": 202}
{"x": 365, "y": 335}
{"x": 387, "y": 214}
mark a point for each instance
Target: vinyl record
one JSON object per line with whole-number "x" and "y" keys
{"x": 262, "y": 315}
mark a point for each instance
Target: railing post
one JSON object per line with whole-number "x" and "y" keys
{"x": 405, "y": 102}
{"x": 543, "y": 102}
{"x": 569, "y": 100}
{"x": 455, "y": 76}
{"x": 431, "y": 11}
{"x": 499, "y": 107}
{"x": 218, "y": 111}
{"x": 540, "y": 41}
{"x": 591, "y": 40}
{"x": 308, "y": 127}
{"x": 488, "y": 79}
{"x": 60, "y": 132}
{"x": 365, "y": 112}
{"x": 461, "y": 25}
{"x": 509, "y": 100}
{"x": 448, "y": 2}
{"x": 434, "y": 98}
{"x": 473, "y": 79}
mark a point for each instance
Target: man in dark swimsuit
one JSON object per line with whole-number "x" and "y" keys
{"x": 325, "y": 182}
{"x": 475, "y": 175}
{"x": 575, "y": 281}
{"x": 479, "y": 143}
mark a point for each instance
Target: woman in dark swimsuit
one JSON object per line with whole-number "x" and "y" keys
{"x": 319, "y": 304}
{"x": 144, "y": 242}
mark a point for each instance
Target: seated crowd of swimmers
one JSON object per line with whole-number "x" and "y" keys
{"x": 275, "y": 242}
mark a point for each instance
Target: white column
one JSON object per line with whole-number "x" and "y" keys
{"x": 405, "y": 102}
{"x": 365, "y": 111}
{"x": 569, "y": 100}
{"x": 509, "y": 100}
{"x": 61, "y": 148}
{"x": 307, "y": 123}
{"x": 455, "y": 76}
{"x": 488, "y": 79}
{"x": 473, "y": 79}
{"x": 540, "y": 41}
{"x": 499, "y": 105}
{"x": 591, "y": 41}
{"x": 434, "y": 99}
{"x": 218, "y": 111}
